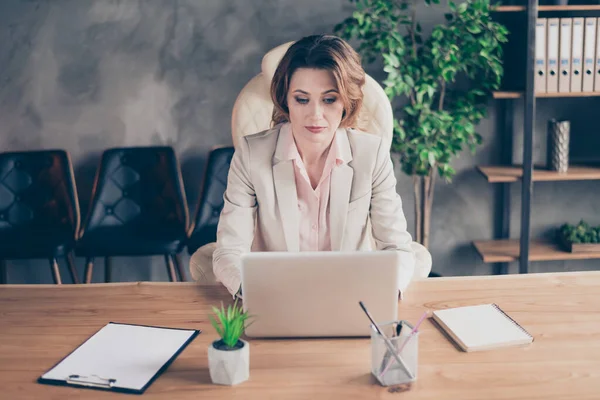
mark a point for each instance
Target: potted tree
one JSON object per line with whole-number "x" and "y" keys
{"x": 438, "y": 117}
{"x": 229, "y": 357}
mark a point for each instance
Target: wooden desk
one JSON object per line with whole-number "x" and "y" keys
{"x": 39, "y": 324}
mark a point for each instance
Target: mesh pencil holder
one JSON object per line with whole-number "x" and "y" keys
{"x": 384, "y": 366}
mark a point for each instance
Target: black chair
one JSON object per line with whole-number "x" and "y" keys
{"x": 210, "y": 204}
{"x": 138, "y": 208}
{"x": 39, "y": 210}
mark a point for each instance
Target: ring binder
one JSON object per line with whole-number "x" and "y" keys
{"x": 89, "y": 381}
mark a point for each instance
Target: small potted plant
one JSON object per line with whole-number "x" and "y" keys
{"x": 579, "y": 238}
{"x": 229, "y": 357}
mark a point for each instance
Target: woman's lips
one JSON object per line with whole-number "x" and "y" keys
{"x": 315, "y": 129}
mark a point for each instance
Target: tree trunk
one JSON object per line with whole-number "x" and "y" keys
{"x": 418, "y": 208}
{"x": 423, "y": 189}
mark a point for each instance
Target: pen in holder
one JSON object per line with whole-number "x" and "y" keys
{"x": 381, "y": 361}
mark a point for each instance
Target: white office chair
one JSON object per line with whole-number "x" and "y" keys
{"x": 252, "y": 113}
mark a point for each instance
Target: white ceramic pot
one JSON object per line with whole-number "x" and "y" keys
{"x": 229, "y": 367}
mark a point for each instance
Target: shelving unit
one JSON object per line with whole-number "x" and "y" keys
{"x": 523, "y": 250}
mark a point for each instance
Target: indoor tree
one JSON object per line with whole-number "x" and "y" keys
{"x": 446, "y": 79}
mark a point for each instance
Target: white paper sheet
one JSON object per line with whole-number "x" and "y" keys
{"x": 130, "y": 354}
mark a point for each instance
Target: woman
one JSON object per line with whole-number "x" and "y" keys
{"x": 312, "y": 182}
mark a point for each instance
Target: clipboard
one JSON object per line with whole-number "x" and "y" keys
{"x": 124, "y": 358}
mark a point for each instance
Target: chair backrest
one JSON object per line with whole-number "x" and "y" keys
{"x": 253, "y": 107}
{"x": 140, "y": 188}
{"x": 38, "y": 192}
{"x": 210, "y": 204}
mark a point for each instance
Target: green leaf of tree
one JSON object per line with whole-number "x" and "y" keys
{"x": 439, "y": 85}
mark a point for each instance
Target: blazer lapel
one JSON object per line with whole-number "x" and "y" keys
{"x": 285, "y": 190}
{"x": 287, "y": 201}
{"x": 339, "y": 193}
{"x": 341, "y": 184}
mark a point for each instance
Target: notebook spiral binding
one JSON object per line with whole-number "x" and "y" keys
{"x": 513, "y": 321}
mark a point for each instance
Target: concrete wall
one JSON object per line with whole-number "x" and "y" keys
{"x": 87, "y": 75}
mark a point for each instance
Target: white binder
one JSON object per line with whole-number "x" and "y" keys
{"x": 120, "y": 357}
{"x": 589, "y": 54}
{"x": 597, "y": 63}
{"x": 577, "y": 55}
{"x": 540, "y": 56}
{"x": 564, "y": 68}
{"x": 552, "y": 57}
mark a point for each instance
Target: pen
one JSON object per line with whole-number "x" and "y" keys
{"x": 387, "y": 342}
{"x": 398, "y": 328}
{"x": 410, "y": 335}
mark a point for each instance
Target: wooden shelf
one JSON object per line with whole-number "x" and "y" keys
{"x": 502, "y": 174}
{"x": 507, "y": 95}
{"x": 575, "y": 94}
{"x": 510, "y": 9}
{"x": 583, "y": 7}
{"x": 518, "y": 95}
{"x": 493, "y": 251}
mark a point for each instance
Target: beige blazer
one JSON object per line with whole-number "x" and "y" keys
{"x": 260, "y": 211}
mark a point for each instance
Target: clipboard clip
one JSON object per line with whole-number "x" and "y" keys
{"x": 92, "y": 380}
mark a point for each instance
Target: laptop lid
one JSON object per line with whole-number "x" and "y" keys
{"x": 316, "y": 294}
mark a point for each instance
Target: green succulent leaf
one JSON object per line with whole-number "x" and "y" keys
{"x": 229, "y": 323}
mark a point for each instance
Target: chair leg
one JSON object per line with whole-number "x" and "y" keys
{"x": 89, "y": 266}
{"x": 179, "y": 266}
{"x": 3, "y": 272}
{"x": 72, "y": 269}
{"x": 170, "y": 268}
{"x": 107, "y": 269}
{"x": 55, "y": 271}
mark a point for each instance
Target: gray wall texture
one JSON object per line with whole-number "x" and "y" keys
{"x": 87, "y": 75}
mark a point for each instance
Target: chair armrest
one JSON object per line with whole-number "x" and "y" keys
{"x": 201, "y": 265}
{"x": 423, "y": 261}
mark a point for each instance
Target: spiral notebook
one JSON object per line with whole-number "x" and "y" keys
{"x": 481, "y": 327}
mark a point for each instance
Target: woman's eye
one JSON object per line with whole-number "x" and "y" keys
{"x": 301, "y": 100}
{"x": 330, "y": 100}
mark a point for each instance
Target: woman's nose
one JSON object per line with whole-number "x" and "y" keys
{"x": 316, "y": 109}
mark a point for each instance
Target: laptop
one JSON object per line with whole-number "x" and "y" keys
{"x": 316, "y": 294}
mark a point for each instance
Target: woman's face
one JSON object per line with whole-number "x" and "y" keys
{"x": 315, "y": 105}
